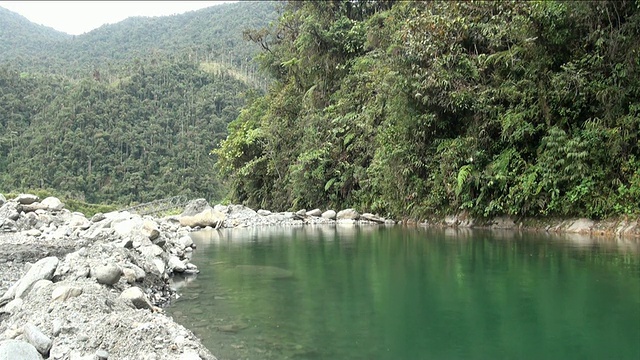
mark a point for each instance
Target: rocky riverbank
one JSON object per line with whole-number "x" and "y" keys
{"x": 79, "y": 288}
{"x": 93, "y": 288}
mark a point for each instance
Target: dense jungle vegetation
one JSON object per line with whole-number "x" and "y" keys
{"x": 129, "y": 112}
{"x": 416, "y": 108}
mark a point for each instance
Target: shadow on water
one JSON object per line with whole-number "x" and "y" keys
{"x": 368, "y": 292}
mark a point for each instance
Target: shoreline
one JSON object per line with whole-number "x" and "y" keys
{"x": 79, "y": 288}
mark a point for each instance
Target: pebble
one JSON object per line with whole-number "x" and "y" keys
{"x": 102, "y": 355}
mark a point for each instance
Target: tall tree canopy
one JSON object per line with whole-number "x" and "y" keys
{"x": 417, "y": 108}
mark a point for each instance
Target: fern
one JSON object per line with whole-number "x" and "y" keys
{"x": 463, "y": 174}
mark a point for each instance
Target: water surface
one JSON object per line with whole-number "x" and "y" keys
{"x": 409, "y": 293}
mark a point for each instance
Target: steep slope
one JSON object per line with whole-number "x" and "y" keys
{"x": 211, "y": 33}
{"x": 22, "y": 41}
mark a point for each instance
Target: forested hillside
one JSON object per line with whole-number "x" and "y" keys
{"x": 129, "y": 112}
{"x": 214, "y": 33}
{"x": 419, "y": 108}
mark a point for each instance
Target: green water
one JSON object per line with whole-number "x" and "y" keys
{"x": 406, "y": 293}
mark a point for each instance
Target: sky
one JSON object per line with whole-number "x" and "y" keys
{"x": 79, "y": 17}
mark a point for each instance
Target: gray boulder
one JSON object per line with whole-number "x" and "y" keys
{"x": 348, "y": 214}
{"x": 26, "y": 199}
{"x": 263, "y": 212}
{"x": 64, "y": 292}
{"x": 195, "y": 207}
{"x": 207, "y": 217}
{"x": 106, "y": 274}
{"x": 2, "y": 199}
{"x": 329, "y": 214}
{"x": 53, "y": 203}
{"x": 136, "y": 297}
{"x": 176, "y": 265}
{"x": 35, "y": 337}
{"x": 372, "y": 218}
{"x": 16, "y": 349}
{"x": 314, "y": 212}
{"x": 43, "y": 269}
{"x": 98, "y": 217}
{"x": 150, "y": 229}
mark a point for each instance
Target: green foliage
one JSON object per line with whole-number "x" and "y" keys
{"x": 416, "y": 108}
{"x": 108, "y": 117}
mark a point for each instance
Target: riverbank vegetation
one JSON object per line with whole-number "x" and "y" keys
{"x": 420, "y": 108}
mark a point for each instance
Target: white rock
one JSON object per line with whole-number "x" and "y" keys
{"x": 26, "y": 199}
{"x": 329, "y": 214}
{"x": 42, "y": 269}
{"x": 13, "y": 306}
{"x": 33, "y": 232}
{"x": 16, "y": 349}
{"x": 185, "y": 242}
{"x": 106, "y": 274}
{"x": 314, "y": 212}
{"x": 53, "y": 203}
{"x": 348, "y": 214}
{"x": 176, "y": 264}
{"x": 64, "y": 292}
{"x": 35, "y": 337}
{"x": 136, "y": 297}
{"x": 150, "y": 229}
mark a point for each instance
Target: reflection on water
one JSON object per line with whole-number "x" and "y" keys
{"x": 368, "y": 292}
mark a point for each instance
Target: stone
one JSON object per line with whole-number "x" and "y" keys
{"x": 98, "y": 217}
{"x": 26, "y": 199}
{"x": 56, "y": 326}
{"x": 126, "y": 227}
{"x": 581, "y": 226}
{"x": 175, "y": 264}
{"x": 41, "y": 284}
{"x": 301, "y": 212}
{"x": 36, "y": 206}
{"x": 79, "y": 220}
{"x": 185, "y": 242}
{"x": 262, "y": 212}
{"x": 150, "y": 229}
{"x": 13, "y": 306}
{"x": 349, "y": 214}
{"x": 195, "y": 207}
{"x": 372, "y": 218}
{"x": 314, "y": 212}
{"x": 53, "y": 203}
{"x": 503, "y": 222}
{"x": 35, "y": 337}
{"x": 137, "y": 298}
{"x": 102, "y": 355}
{"x": 106, "y": 274}
{"x": 42, "y": 269}
{"x": 329, "y": 214}
{"x": 17, "y": 349}
{"x": 64, "y": 292}
{"x": 208, "y": 217}
{"x": 2, "y": 199}
{"x": 33, "y": 232}
{"x": 160, "y": 266}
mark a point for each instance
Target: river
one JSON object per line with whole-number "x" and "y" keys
{"x": 370, "y": 292}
